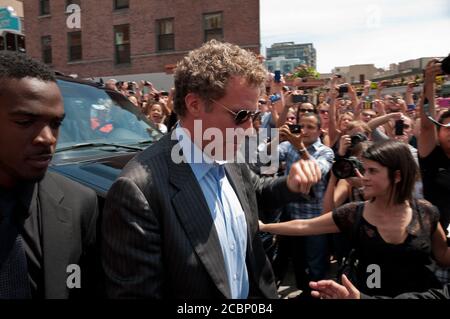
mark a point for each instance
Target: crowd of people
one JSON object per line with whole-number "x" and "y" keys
{"x": 360, "y": 178}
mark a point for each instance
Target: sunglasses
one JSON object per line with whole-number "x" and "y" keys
{"x": 323, "y": 112}
{"x": 241, "y": 116}
{"x": 306, "y": 110}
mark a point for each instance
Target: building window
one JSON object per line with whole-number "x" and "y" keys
{"x": 44, "y": 7}
{"x": 121, "y": 4}
{"x": 361, "y": 78}
{"x": 69, "y": 2}
{"x": 213, "y": 26}
{"x": 75, "y": 48}
{"x": 46, "y": 47}
{"x": 122, "y": 43}
{"x": 166, "y": 37}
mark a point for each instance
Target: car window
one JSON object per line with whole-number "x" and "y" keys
{"x": 95, "y": 115}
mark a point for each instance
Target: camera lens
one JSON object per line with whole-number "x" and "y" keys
{"x": 345, "y": 167}
{"x": 357, "y": 138}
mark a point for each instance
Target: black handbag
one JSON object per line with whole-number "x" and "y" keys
{"x": 349, "y": 266}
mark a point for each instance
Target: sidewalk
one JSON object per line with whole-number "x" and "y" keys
{"x": 288, "y": 289}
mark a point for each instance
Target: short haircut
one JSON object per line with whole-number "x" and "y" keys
{"x": 395, "y": 156}
{"x": 15, "y": 65}
{"x": 311, "y": 114}
{"x": 207, "y": 70}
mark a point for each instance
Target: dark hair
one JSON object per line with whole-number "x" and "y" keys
{"x": 442, "y": 118}
{"x": 395, "y": 156}
{"x": 17, "y": 66}
{"x": 311, "y": 114}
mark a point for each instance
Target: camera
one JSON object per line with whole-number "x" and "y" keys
{"x": 277, "y": 77}
{"x": 295, "y": 128}
{"x": 298, "y": 98}
{"x": 164, "y": 93}
{"x": 399, "y": 127}
{"x": 343, "y": 89}
{"x": 345, "y": 167}
{"x": 357, "y": 138}
{"x": 274, "y": 98}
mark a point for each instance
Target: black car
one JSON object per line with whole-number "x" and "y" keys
{"x": 101, "y": 132}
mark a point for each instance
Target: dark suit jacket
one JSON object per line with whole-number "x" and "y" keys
{"x": 69, "y": 215}
{"x": 159, "y": 239}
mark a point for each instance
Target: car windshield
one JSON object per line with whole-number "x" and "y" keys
{"x": 95, "y": 116}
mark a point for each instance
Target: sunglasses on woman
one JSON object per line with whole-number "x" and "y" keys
{"x": 241, "y": 116}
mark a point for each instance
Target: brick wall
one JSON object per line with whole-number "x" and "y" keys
{"x": 240, "y": 26}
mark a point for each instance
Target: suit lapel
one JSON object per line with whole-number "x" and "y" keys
{"x": 193, "y": 211}
{"x": 56, "y": 234}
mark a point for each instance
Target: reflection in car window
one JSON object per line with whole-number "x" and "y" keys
{"x": 95, "y": 115}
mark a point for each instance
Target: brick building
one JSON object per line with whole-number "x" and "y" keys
{"x": 133, "y": 37}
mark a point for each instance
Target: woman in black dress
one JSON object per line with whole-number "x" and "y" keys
{"x": 394, "y": 235}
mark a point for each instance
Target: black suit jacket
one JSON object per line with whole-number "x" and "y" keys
{"x": 159, "y": 240}
{"x": 69, "y": 215}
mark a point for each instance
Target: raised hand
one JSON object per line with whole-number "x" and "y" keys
{"x": 329, "y": 289}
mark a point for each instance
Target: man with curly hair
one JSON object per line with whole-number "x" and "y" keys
{"x": 182, "y": 219}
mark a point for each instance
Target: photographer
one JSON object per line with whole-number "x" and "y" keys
{"x": 434, "y": 147}
{"x": 393, "y": 230}
{"x": 309, "y": 254}
{"x": 345, "y": 186}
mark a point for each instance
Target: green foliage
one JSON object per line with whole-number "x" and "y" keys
{"x": 304, "y": 71}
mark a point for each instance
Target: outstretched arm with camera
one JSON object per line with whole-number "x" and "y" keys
{"x": 295, "y": 139}
{"x": 428, "y": 135}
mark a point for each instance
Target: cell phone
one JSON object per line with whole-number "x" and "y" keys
{"x": 399, "y": 127}
{"x": 359, "y": 93}
{"x": 339, "y": 76}
{"x": 343, "y": 89}
{"x": 411, "y": 107}
{"x": 295, "y": 128}
{"x": 298, "y": 98}
{"x": 277, "y": 77}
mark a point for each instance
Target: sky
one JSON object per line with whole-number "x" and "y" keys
{"x": 346, "y": 32}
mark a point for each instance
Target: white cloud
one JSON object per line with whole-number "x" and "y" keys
{"x": 354, "y": 31}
